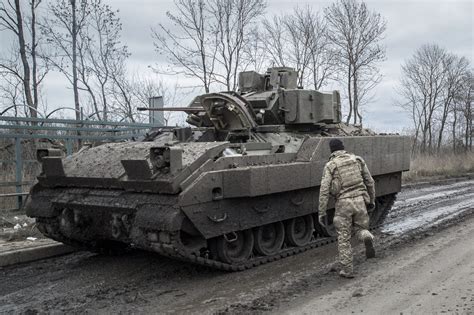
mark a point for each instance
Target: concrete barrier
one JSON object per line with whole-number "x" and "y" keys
{"x": 32, "y": 253}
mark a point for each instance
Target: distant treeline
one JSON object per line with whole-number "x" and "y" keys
{"x": 211, "y": 41}
{"x": 438, "y": 89}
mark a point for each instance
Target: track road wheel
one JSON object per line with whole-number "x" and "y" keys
{"x": 235, "y": 247}
{"x": 299, "y": 230}
{"x": 269, "y": 238}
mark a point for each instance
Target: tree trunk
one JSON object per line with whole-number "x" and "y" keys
{"x": 349, "y": 93}
{"x": 441, "y": 128}
{"x": 75, "y": 87}
{"x": 24, "y": 61}
{"x": 34, "y": 74}
{"x": 104, "y": 102}
{"x": 455, "y": 118}
{"x": 425, "y": 140}
{"x": 469, "y": 126}
{"x": 356, "y": 100}
{"x": 430, "y": 139}
{"x": 446, "y": 108}
{"x": 417, "y": 134}
{"x": 74, "y": 33}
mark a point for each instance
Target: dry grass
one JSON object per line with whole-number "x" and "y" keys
{"x": 439, "y": 166}
{"x": 7, "y": 169}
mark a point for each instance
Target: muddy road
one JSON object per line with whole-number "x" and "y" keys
{"x": 428, "y": 223}
{"x": 432, "y": 276}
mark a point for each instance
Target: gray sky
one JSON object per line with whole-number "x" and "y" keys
{"x": 449, "y": 23}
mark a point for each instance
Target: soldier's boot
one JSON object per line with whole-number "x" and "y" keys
{"x": 346, "y": 274}
{"x": 369, "y": 244}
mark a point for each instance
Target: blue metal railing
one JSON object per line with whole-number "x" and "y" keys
{"x": 64, "y": 130}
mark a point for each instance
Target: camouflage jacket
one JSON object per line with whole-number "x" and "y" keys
{"x": 345, "y": 176}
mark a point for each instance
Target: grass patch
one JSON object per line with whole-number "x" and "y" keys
{"x": 7, "y": 169}
{"x": 440, "y": 166}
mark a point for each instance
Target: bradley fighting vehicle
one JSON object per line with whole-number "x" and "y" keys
{"x": 237, "y": 190}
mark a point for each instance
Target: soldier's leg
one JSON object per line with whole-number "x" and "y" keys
{"x": 343, "y": 225}
{"x": 361, "y": 225}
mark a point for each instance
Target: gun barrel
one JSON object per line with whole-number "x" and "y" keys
{"x": 173, "y": 109}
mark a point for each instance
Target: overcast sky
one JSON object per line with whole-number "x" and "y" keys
{"x": 449, "y": 23}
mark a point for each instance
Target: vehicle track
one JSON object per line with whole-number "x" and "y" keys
{"x": 145, "y": 282}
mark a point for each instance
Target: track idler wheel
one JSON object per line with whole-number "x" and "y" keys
{"x": 269, "y": 238}
{"x": 235, "y": 247}
{"x": 299, "y": 230}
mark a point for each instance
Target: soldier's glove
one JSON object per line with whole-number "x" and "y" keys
{"x": 323, "y": 220}
{"x": 370, "y": 206}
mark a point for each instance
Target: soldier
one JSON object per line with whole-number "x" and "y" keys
{"x": 347, "y": 178}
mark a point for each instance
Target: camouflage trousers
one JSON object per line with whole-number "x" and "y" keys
{"x": 350, "y": 212}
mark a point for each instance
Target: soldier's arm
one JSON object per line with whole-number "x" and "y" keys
{"x": 324, "y": 190}
{"x": 368, "y": 180}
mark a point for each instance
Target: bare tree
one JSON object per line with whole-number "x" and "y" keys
{"x": 103, "y": 51}
{"x": 455, "y": 68}
{"x": 135, "y": 91}
{"x": 23, "y": 64}
{"x": 189, "y": 48}
{"x": 465, "y": 104}
{"x": 299, "y": 40}
{"x": 100, "y": 49}
{"x": 461, "y": 113}
{"x": 300, "y": 33}
{"x": 356, "y": 34}
{"x": 232, "y": 21}
{"x": 254, "y": 53}
{"x": 436, "y": 87}
{"x": 122, "y": 91}
{"x": 13, "y": 20}
{"x": 12, "y": 92}
{"x": 63, "y": 29}
{"x": 86, "y": 36}
{"x": 209, "y": 40}
{"x": 130, "y": 91}
{"x": 39, "y": 67}
{"x": 274, "y": 40}
{"x": 323, "y": 61}
{"x": 422, "y": 83}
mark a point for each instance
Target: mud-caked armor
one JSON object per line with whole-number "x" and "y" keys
{"x": 235, "y": 189}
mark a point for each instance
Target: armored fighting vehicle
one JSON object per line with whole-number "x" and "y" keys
{"x": 238, "y": 189}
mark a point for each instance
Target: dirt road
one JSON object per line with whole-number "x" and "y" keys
{"x": 435, "y": 275}
{"x": 143, "y": 282}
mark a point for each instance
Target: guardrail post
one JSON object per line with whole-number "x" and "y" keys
{"x": 18, "y": 172}
{"x": 68, "y": 146}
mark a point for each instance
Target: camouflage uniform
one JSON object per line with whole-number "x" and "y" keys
{"x": 347, "y": 178}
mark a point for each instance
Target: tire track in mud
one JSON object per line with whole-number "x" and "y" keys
{"x": 144, "y": 282}
{"x": 431, "y": 205}
{"x": 413, "y": 194}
